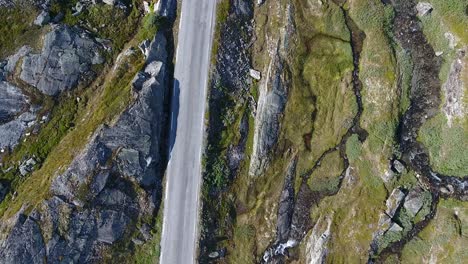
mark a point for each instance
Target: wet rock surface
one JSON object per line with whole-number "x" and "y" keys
{"x": 65, "y": 59}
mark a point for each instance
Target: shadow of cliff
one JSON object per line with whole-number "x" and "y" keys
{"x": 174, "y": 115}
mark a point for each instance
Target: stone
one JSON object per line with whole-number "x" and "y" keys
{"x": 66, "y": 57}
{"x": 153, "y": 68}
{"x": 214, "y": 254}
{"x": 11, "y": 132}
{"x": 24, "y": 244}
{"x": 414, "y": 201}
{"x": 451, "y": 39}
{"x": 4, "y": 189}
{"x": 255, "y": 74}
{"x": 27, "y": 166}
{"x": 395, "y": 228}
{"x": 145, "y": 47}
{"x": 271, "y": 104}
{"x": 111, "y": 226}
{"x": 439, "y": 53}
{"x": 42, "y": 19}
{"x": 166, "y": 8}
{"x": 394, "y": 202}
{"x": 77, "y": 9}
{"x": 424, "y": 8}
{"x": 398, "y": 166}
{"x": 260, "y": 2}
{"x": 146, "y": 7}
{"x": 110, "y": 2}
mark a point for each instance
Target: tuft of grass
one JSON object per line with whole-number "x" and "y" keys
{"x": 17, "y": 29}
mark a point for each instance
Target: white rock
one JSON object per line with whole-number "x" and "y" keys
{"x": 109, "y": 2}
{"x": 394, "y": 201}
{"x": 146, "y": 7}
{"x": 423, "y": 8}
{"x": 438, "y": 53}
{"x": 395, "y": 228}
{"x": 452, "y": 39}
{"x": 255, "y": 74}
{"x": 42, "y": 19}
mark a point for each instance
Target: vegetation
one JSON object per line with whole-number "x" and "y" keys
{"x": 17, "y": 29}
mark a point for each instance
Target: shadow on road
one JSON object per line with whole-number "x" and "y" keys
{"x": 174, "y": 116}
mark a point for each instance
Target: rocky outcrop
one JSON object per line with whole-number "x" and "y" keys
{"x": 271, "y": 104}
{"x": 166, "y": 8}
{"x": 453, "y": 88}
{"x": 112, "y": 185}
{"x": 16, "y": 115}
{"x": 317, "y": 241}
{"x": 65, "y": 59}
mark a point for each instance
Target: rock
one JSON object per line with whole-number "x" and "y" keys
{"x": 59, "y": 17}
{"x": 66, "y": 57}
{"x": 286, "y": 203}
{"x": 12, "y": 102}
{"x": 394, "y": 201}
{"x": 439, "y": 53}
{"x": 12, "y": 61}
{"x": 111, "y": 226}
{"x": 24, "y": 244}
{"x": 395, "y": 228}
{"x": 166, "y": 8}
{"x": 27, "y": 166}
{"x": 146, "y": 7}
{"x": 4, "y": 189}
{"x": 255, "y": 74}
{"x": 145, "y": 47}
{"x": 110, "y": 2}
{"x": 453, "y": 89}
{"x": 423, "y": 8}
{"x": 153, "y": 68}
{"x": 214, "y": 254}
{"x": 106, "y": 190}
{"x": 398, "y": 166}
{"x": 11, "y": 132}
{"x": 260, "y": 2}
{"x": 414, "y": 201}
{"x": 451, "y": 39}
{"x": 42, "y": 19}
{"x": 271, "y": 103}
{"x": 77, "y": 9}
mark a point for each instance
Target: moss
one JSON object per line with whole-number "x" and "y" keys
{"x": 353, "y": 148}
{"x": 17, "y": 29}
{"x": 446, "y": 146}
{"x": 443, "y": 239}
{"x": 326, "y": 177}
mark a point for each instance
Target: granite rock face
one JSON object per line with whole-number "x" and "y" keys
{"x": 111, "y": 185}
{"x": 65, "y": 59}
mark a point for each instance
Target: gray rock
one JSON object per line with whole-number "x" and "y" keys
{"x": 108, "y": 187}
{"x": 414, "y": 201}
{"x": 398, "y": 166}
{"x": 12, "y": 60}
{"x": 24, "y": 244}
{"x": 394, "y": 202}
{"x": 395, "y": 228}
{"x": 271, "y": 103}
{"x": 11, "y": 132}
{"x": 255, "y": 74}
{"x": 27, "y": 166}
{"x": 42, "y": 19}
{"x": 111, "y": 226}
{"x": 12, "y": 102}
{"x": 286, "y": 204}
{"x": 423, "y": 8}
{"x": 66, "y": 57}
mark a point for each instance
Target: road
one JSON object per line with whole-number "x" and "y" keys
{"x": 183, "y": 175}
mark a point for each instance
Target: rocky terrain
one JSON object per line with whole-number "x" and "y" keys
{"x": 343, "y": 135}
{"x": 82, "y": 130}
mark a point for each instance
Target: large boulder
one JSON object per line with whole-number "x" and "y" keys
{"x": 66, "y": 57}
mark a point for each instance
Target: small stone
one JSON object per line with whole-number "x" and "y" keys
{"x": 255, "y": 74}
{"x": 260, "y": 2}
{"x": 438, "y": 53}
{"x": 451, "y": 39}
{"x": 395, "y": 228}
{"x": 42, "y": 19}
{"x": 398, "y": 166}
{"x": 423, "y": 8}
{"x": 214, "y": 254}
{"x": 413, "y": 201}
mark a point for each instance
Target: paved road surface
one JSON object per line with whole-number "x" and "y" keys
{"x": 183, "y": 176}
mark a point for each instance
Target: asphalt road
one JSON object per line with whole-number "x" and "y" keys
{"x": 183, "y": 175}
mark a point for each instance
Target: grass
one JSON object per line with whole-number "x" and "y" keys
{"x": 326, "y": 177}
{"x": 222, "y": 14}
{"x": 443, "y": 239}
{"x": 17, "y": 29}
{"x": 446, "y": 146}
